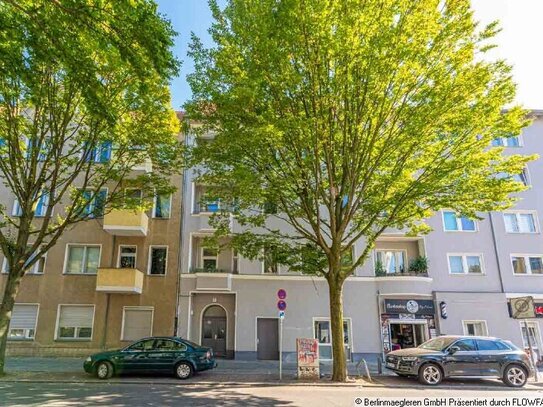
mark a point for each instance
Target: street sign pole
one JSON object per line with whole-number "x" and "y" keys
{"x": 530, "y": 347}
{"x": 280, "y": 348}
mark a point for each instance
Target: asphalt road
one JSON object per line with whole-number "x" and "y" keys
{"x": 144, "y": 394}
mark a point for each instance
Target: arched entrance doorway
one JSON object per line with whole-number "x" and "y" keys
{"x": 214, "y": 329}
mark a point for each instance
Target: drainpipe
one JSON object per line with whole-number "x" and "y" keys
{"x": 496, "y": 251}
{"x": 379, "y": 323}
{"x": 180, "y": 250}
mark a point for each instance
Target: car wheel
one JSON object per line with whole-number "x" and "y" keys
{"x": 184, "y": 370}
{"x": 430, "y": 374}
{"x": 104, "y": 370}
{"x": 515, "y": 376}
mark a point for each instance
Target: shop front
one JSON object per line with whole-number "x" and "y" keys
{"x": 406, "y": 323}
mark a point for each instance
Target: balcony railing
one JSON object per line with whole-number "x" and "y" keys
{"x": 119, "y": 280}
{"x": 126, "y": 222}
{"x": 208, "y": 270}
{"x": 401, "y": 274}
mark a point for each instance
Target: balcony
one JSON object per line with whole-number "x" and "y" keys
{"x": 397, "y": 256}
{"x": 119, "y": 281}
{"x": 126, "y": 222}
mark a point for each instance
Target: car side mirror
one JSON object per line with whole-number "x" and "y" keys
{"x": 453, "y": 350}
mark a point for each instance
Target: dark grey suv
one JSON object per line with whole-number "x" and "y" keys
{"x": 466, "y": 356}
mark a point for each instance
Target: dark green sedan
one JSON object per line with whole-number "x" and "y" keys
{"x": 153, "y": 355}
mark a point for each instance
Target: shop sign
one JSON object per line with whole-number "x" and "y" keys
{"x": 307, "y": 350}
{"x": 410, "y": 307}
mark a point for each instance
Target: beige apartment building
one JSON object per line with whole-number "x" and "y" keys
{"x": 106, "y": 282}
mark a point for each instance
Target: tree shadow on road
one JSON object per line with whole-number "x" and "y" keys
{"x": 105, "y": 394}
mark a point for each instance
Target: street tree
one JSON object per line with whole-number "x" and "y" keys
{"x": 84, "y": 100}
{"x": 336, "y": 120}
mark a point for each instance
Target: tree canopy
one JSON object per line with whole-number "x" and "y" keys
{"x": 350, "y": 117}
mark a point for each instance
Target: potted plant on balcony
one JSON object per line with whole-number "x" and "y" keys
{"x": 418, "y": 265}
{"x": 379, "y": 269}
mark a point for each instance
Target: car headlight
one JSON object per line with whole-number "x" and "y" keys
{"x": 409, "y": 358}
{"x": 88, "y": 359}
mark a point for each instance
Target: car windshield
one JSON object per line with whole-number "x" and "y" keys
{"x": 437, "y": 343}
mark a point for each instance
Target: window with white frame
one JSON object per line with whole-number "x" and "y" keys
{"x": 95, "y": 203}
{"x": 137, "y": 323}
{"x": 82, "y": 259}
{"x": 475, "y": 328}
{"x": 527, "y": 264}
{"x": 127, "y": 257}
{"x": 465, "y": 263}
{"x": 513, "y": 141}
{"x": 162, "y": 207}
{"x": 270, "y": 265}
{"x": 323, "y": 334}
{"x": 24, "y": 318}
{"x": 390, "y": 261}
{"x": 454, "y": 223}
{"x": 522, "y": 177}
{"x": 36, "y": 268}
{"x": 101, "y": 153}
{"x": 210, "y": 257}
{"x": 158, "y": 258}
{"x": 39, "y": 207}
{"x": 75, "y": 322}
{"x": 519, "y": 222}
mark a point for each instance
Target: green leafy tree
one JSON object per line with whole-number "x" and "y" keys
{"x": 84, "y": 100}
{"x": 349, "y": 117}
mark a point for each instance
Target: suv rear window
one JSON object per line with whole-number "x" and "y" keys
{"x": 486, "y": 344}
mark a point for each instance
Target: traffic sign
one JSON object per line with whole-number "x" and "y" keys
{"x": 282, "y": 294}
{"x": 281, "y": 305}
{"x": 282, "y": 314}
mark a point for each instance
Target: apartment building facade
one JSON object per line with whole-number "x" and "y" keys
{"x": 456, "y": 280}
{"x": 107, "y": 281}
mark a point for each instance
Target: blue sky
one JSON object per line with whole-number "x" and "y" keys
{"x": 517, "y": 43}
{"x": 186, "y": 16}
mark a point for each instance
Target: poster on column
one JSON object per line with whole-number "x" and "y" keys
{"x": 307, "y": 350}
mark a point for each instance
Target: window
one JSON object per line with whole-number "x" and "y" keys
{"x": 209, "y": 258}
{"x": 203, "y": 202}
{"x": 99, "y": 154}
{"x": 465, "y": 263}
{"x": 127, "y": 257}
{"x": 23, "y": 322}
{"x": 75, "y": 322}
{"x": 487, "y": 344}
{"x": 158, "y": 260}
{"x": 37, "y": 268}
{"x": 390, "y": 261}
{"x": 235, "y": 261}
{"x": 82, "y": 259}
{"x": 527, "y": 264}
{"x": 454, "y": 223}
{"x": 466, "y": 345}
{"x": 133, "y": 194}
{"x": 94, "y": 207}
{"x": 169, "y": 345}
{"x": 162, "y": 206}
{"x": 142, "y": 346}
{"x": 519, "y": 222}
{"x": 137, "y": 323}
{"x": 323, "y": 334}
{"x": 522, "y": 177}
{"x": 39, "y": 207}
{"x": 513, "y": 141}
{"x": 535, "y": 337}
{"x": 475, "y": 328}
{"x": 269, "y": 262}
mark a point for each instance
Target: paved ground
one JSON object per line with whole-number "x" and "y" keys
{"x": 100, "y": 394}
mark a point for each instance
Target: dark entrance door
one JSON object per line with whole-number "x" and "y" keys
{"x": 267, "y": 337}
{"x": 214, "y": 330}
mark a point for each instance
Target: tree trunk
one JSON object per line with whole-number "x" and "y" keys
{"x": 339, "y": 367}
{"x": 8, "y": 300}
